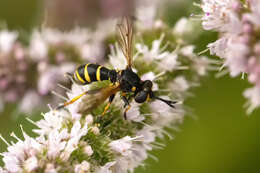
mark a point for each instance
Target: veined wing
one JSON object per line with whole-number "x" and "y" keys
{"x": 125, "y": 29}
{"x": 97, "y": 97}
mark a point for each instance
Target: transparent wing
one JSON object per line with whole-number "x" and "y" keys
{"x": 93, "y": 97}
{"x": 97, "y": 97}
{"x": 125, "y": 29}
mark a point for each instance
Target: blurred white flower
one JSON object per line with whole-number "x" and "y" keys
{"x": 253, "y": 96}
{"x": 30, "y": 101}
{"x": 7, "y": 40}
{"x": 237, "y": 22}
{"x": 169, "y": 62}
{"x": 51, "y": 75}
{"x": 180, "y": 84}
{"x": 186, "y": 29}
{"x": 38, "y": 49}
{"x": 146, "y": 12}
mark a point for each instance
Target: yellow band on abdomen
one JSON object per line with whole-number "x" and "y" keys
{"x": 86, "y": 73}
{"x": 98, "y": 73}
{"x": 79, "y": 77}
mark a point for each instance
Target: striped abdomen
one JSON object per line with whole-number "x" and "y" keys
{"x": 88, "y": 73}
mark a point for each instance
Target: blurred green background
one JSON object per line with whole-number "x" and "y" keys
{"x": 218, "y": 137}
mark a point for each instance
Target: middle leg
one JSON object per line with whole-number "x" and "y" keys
{"x": 111, "y": 98}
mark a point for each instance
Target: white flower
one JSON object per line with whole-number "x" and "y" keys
{"x": 76, "y": 90}
{"x": 219, "y": 47}
{"x": 200, "y": 64}
{"x": 148, "y": 136}
{"x": 163, "y": 114}
{"x": 181, "y": 26}
{"x": 89, "y": 119}
{"x": 157, "y": 52}
{"x": 255, "y": 14}
{"x": 180, "y": 84}
{"x": 83, "y": 167}
{"x": 169, "y": 62}
{"x": 53, "y": 120}
{"x": 220, "y": 15}
{"x": 106, "y": 168}
{"x": 236, "y": 57}
{"x": 88, "y": 150}
{"x": 18, "y": 152}
{"x": 117, "y": 58}
{"x": 123, "y": 145}
{"x": 7, "y": 40}
{"x": 76, "y": 133}
{"x": 187, "y": 50}
{"x": 55, "y": 143}
{"x": 160, "y": 107}
{"x": 134, "y": 114}
{"x": 50, "y": 168}
{"x": 95, "y": 130}
{"x": 31, "y": 164}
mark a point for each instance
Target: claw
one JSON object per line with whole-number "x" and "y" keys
{"x": 60, "y": 107}
{"x": 125, "y": 117}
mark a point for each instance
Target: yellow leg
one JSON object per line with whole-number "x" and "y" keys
{"x": 127, "y": 109}
{"x": 71, "y": 101}
{"x": 106, "y": 108}
{"x": 111, "y": 98}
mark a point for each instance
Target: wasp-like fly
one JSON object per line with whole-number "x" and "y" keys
{"x": 126, "y": 81}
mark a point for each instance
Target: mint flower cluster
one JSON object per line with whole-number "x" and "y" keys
{"x": 79, "y": 139}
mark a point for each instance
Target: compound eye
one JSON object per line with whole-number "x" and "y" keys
{"x": 148, "y": 84}
{"x": 141, "y": 97}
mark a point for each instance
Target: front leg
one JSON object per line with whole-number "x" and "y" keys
{"x": 126, "y": 101}
{"x": 127, "y": 109}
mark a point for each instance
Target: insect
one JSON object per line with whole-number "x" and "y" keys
{"x": 125, "y": 81}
